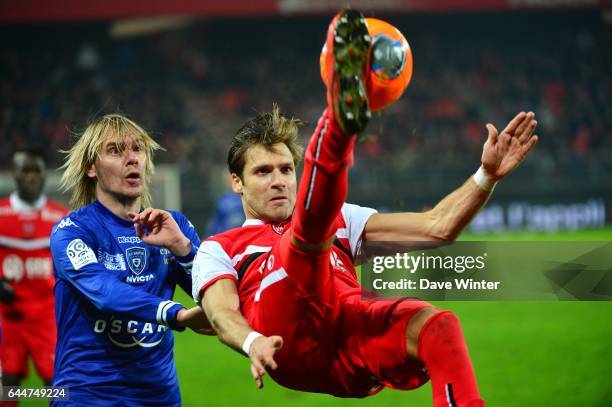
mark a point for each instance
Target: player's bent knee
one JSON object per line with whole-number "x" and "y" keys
{"x": 441, "y": 324}
{"x": 415, "y": 326}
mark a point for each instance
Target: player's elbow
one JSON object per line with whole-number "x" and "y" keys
{"x": 224, "y": 338}
{"x": 440, "y": 230}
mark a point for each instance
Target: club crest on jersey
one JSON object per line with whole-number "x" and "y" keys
{"x": 279, "y": 227}
{"x": 136, "y": 259}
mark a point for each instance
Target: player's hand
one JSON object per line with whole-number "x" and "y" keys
{"x": 502, "y": 153}
{"x": 158, "y": 228}
{"x": 261, "y": 354}
{"x": 195, "y": 319}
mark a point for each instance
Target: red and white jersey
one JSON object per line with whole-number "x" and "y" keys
{"x": 25, "y": 258}
{"x": 239, "y": 254}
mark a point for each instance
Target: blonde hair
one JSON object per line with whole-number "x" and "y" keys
{"x": 112, "y": 127}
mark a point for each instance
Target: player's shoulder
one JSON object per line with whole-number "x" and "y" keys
{"x": 84, "y": 214}
{"x": 81, "y": 221}
{"x": 176, "y": 214}
{"x": 350, "y": 208}
{"x": 351, "y": 212}
{"x": 6, "y": 201}
{"x": 181, "y": 219}
{"x": 228, "y": 237}
{"x": 236, "y": 240}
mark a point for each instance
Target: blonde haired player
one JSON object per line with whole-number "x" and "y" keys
{"x": 117, "y": 263}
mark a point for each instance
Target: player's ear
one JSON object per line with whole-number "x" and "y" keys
{"x": 91, "y": 171}
{"x": 236, "y": 183}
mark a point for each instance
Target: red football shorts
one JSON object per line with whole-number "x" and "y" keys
{"x": 29, "y": 337}
{"x": 335, "y": 341}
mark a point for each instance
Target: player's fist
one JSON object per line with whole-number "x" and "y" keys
{"x": 261, "y": 353}
{"x": 502, "y": 153}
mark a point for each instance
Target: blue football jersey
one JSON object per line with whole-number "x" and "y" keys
{"x": 114, "y": 309}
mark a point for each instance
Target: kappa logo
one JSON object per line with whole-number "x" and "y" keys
{"x": 129, "y": 239}
{"x": 65, "y": 223}
{"x": 136, "y": 259}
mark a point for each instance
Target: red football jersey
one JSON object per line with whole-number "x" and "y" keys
{"x": 25, "y": 258}
{"x": 239, "y": 254}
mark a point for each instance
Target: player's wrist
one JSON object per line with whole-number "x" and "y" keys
{"x": 182, "y": 247}
{"x": 175, "y": 317}
{"x": 484, "y": 180}
{"x": 246, "y": 345}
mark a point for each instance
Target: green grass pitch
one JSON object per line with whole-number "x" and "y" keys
{"x": 524, "y": 354}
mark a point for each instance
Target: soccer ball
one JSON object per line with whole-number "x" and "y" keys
{"x": 390, "y": 64}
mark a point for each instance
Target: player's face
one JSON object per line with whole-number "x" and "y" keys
{"x": 30, "y": 178}
{"x": 268, "y": 183}
{"x": 120, "y": 168}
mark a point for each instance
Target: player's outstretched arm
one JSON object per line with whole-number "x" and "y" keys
{"x": 222, "y": 307}
{"x": 502, "y": 153}
{"x": 74, "y": 255}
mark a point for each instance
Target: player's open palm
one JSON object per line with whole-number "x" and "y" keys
{"x": 504, "y": 151}
{"x": 261, "y": 354}
{"x": 158, "y": 228}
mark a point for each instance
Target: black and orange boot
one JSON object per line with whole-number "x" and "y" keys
{"x": 348, "y": 51}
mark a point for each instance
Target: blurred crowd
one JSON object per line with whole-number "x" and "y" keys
{"x": 193, "y": 87}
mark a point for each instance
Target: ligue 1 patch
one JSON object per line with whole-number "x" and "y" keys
{"x": 136, "y": 259}
{"x": 80, "y": 254}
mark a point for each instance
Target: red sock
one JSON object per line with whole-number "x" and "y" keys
{"x": 324, "y": 184}
{"x": 442, "y": 349}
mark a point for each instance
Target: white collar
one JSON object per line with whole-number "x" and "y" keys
{"x": 253, "y": 222}
{"x": 20, "y": 205}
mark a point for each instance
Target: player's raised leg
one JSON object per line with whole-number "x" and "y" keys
{"x": 324, "y": 184}
{"x": 308, "y": 296}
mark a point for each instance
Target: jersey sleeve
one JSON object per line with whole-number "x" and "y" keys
{"x": 355, "y": 217}
{"x": 212, "y": 263}
{"x": 73, "y": 250}
{"x": 185, "y": 263}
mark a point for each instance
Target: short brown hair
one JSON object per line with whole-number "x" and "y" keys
{"x": 267, "y": 129}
